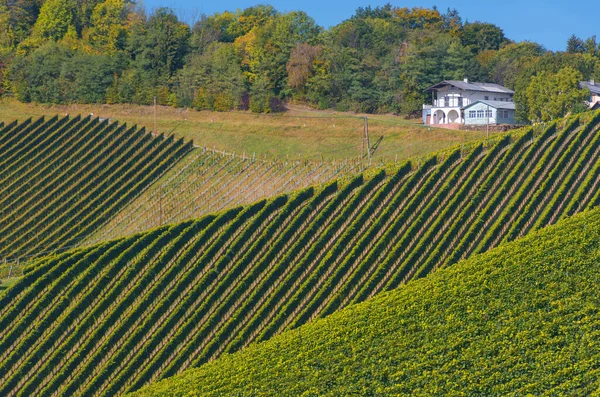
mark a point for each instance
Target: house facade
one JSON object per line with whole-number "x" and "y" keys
{"x": 489, "y": 112}
{"x": 450, "y": 98}
{"x": 593, "y": 101}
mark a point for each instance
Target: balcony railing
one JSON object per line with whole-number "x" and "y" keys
{"x": 451, "y": 102}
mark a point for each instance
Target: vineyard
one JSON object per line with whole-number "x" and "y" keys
{"x": 62, "y": 178}
{"x": 207, "y": 181}
{"x": 520, "y": 320}
{"x": 113, "y": 317}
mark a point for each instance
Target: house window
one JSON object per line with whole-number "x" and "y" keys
{"x": 486, "y": 98}
{"x": 480, "y": 114}
{"x": 503, "y": 114}
{"x": 472, "y": 114}
{"x": 488, "y": 113}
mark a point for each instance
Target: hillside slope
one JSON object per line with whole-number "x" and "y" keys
{"x": 63, "y": 177}
{"x": 206, "y": 181}
{"x": 521, "y": 319}
{"x": 131, "y": 311}
{"x": 298, "y": 134}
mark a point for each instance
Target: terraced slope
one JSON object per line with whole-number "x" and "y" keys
{"x": 207, "y": 181}
{"x": 116, "y": 316}
{"x": 62, "y": 178}
{"x": 519, "y": 320}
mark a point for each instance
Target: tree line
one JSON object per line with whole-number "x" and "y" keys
{"x": 379, "y": 60}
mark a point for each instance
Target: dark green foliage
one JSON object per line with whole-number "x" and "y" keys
{"x": 479, "y": 37}
{"x": 54, "y": 73}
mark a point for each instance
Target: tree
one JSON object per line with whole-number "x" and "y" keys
{"x": 384, "y": 12}
{"x": 575, "y": 45}
{"x": 480, "y": 37}
{"x": 419, "y": 18}
{"x": 210, "y": 29}
{"x": 553, "y": 95}
{"x": 17, "y": 18}
{"x": 107, "y": 33}
{"x": 590, "y": 46}
{"x": 166, "y": 42}
{"x": 158, "y": 47}
{"x": 54, "y": 20}
{"x": 456, "y": 62}
{"x": 36, "y": 77}
{"x": 301, "y": 64}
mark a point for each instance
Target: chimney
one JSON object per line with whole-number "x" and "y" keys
{"x": 592, "y": 82}
{"x": 466, "y": 80}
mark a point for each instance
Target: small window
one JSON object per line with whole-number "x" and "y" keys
{"x": 488, "y": 113}
{"x": 487, "y": 98}
{"x": 472, "y": 114}
{"x": 480, "y": 114}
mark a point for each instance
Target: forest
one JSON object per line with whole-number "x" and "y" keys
{"x": 378, "y": 61}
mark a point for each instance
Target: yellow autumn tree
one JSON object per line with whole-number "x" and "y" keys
{"x": 108, "y": 32}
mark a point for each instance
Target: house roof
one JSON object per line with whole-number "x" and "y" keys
{"x": 591, "y": 85}
{"x": 495, "y": 104}
{"x": 472, "y": 86}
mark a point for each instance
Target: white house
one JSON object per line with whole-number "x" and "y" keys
{"x": 594, "y": 100}
{"x": 450, "y": 98}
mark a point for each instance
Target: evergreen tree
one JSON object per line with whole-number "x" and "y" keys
{"x": 575, "y": 45}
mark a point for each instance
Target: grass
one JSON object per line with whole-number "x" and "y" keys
{"x": 521, "y": 319}
{"x": 300, "y": 133}
{"x": 8, "y": 282}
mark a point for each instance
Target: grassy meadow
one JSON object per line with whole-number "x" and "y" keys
{"x": 300, "y": 133}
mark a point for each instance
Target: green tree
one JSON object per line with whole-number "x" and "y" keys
{"x": 166, "y": 43}
{"x": 590, "y": 46}
{"x": 479, "y": 37}
{"x": 456, "y": 62}
{"x": 575, "y": 45}
{"x": 553, "y": 95}
{"x": 217, "y": 73}
{"x": 54, "y": 20}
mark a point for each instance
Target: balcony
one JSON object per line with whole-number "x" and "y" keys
{"x": 450, "y": 102}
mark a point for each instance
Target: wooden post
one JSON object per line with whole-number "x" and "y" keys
{"x": 367, "y": 138}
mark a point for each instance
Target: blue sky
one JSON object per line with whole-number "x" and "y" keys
{"x": 549, "y": 22}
